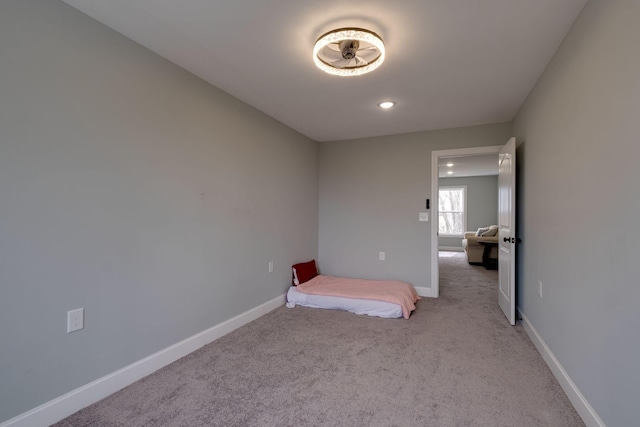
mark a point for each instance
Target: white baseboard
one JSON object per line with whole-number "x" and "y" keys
{"x": 423, "y": 291}
{"x": 450, "y": 248}
{"x": 69, "y": 403}
{"x": 588, "y": 414}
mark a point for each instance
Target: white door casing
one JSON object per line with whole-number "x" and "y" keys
{"x": 507, "y": 230}
{"x": 435, "y": 156}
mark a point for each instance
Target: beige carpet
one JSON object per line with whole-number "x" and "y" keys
{"x": 455, "y": 362}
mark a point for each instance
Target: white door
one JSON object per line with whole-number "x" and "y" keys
{"x": 507, "y": 230}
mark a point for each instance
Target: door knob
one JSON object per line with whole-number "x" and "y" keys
{"x": 509, "y": 239}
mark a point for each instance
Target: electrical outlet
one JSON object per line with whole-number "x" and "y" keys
{"x": 270, "y": 266}
{"x": 75, "y": 320}
{"x": 382, "y": 256}
{"x": 540, "y": 288}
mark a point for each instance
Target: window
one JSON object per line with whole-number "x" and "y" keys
{"x": 452, "y": 205}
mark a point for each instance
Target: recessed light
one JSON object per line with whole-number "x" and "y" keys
{"x": 449, "y": 165}
{"x": 450, "y": 173}
{"x": 386, "y": 104}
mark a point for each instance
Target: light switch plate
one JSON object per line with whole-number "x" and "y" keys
{"x": 424, "y": 216}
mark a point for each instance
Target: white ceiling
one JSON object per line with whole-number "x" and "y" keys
{"x": 449, "y": 63}
{"x": 476, "y": 165}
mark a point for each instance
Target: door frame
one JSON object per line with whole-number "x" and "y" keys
{"x": 435, "y": 177}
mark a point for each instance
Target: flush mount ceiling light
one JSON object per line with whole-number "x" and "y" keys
{"x": 386, "y": 104}
{"x": 348, "y": 52}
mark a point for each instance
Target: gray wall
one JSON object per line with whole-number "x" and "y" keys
{"x": 482, "y": 204}
{"x": 371, "y": 191}
{"x": 135, "y": 190}
{"x": 578, "y": 207}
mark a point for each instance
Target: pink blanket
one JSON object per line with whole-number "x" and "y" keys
{"x": 393, "y": 291}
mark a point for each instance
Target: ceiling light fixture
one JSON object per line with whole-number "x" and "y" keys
{"x": 449, "y": 165}
{"x": 450, "y": 173}
{"x": 349, "y": 52}
{"x": 386, "y": 104}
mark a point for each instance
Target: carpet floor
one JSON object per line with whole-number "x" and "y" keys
{"x": 455, "y": 362}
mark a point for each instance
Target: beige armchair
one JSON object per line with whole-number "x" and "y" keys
{"x": 474, "y": 247}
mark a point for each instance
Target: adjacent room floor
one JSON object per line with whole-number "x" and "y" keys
{"x": 455, "y": 362}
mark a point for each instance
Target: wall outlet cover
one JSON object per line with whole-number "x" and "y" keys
{"x": 540, "y": 289}
{"x": 75, "y": 320}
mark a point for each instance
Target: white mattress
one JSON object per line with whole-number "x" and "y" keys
{"x": 358, "y": 306}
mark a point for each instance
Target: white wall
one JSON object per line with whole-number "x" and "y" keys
{"x": 371, "y": 192}
{"x": 135, "y": 190}
{"x": 578, "y": 207}
{"x": 482, "y": 203}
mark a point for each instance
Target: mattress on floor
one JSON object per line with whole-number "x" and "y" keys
{"x": 358, "y": 306}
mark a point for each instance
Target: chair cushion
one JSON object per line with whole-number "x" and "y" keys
{"x": 481, "y": 230}
{"x": 491, "y": 231}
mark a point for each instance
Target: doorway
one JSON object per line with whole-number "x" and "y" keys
{"x": 436, "y": 158}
